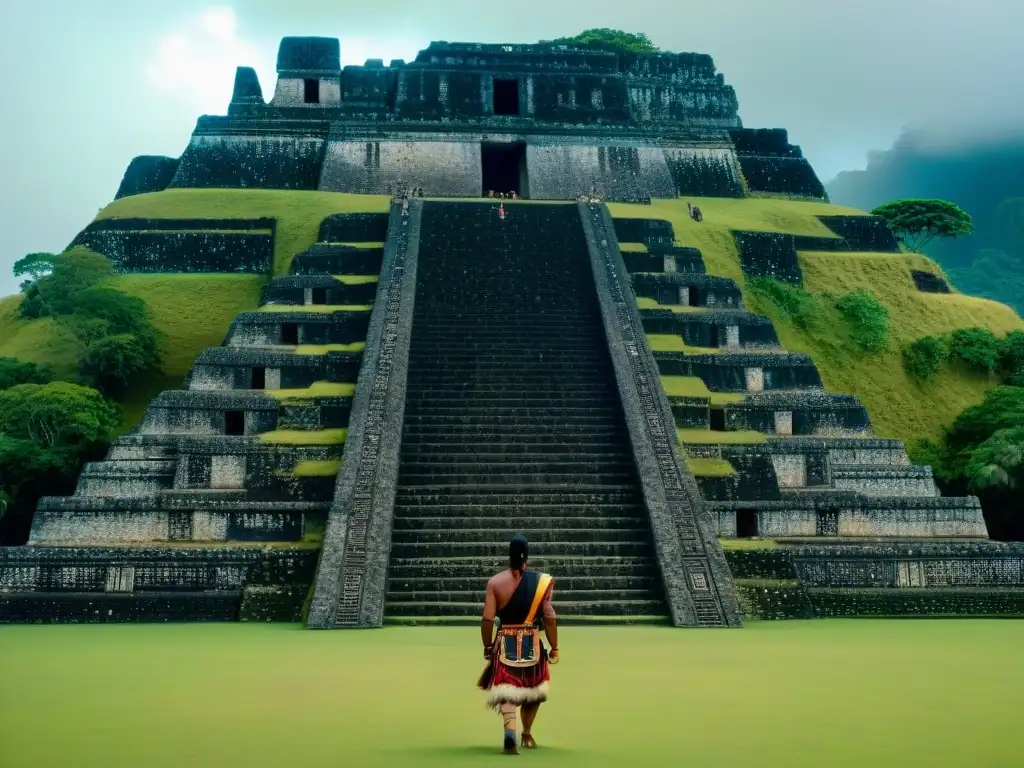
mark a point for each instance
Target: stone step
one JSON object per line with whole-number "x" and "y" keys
{"x": 410, "y": 528}
{"x": 560, "y": 567}
{"x": 516, "y": 495}
{"x": 498, "y": 414}
{"x": 528, "y": 400}
{"x": 500, "y": 534}
{"x": 467, "y": 439}
{"x": 564, "y": 585}
{"x": 498, "y": 475}
{"x": 609, "y": 607}
{"x": 469, "y": 464}
{"x": 398, "y": 595}
{"x": 500, "y": 450}
{"x": 490, "y": 549}
{"x": 435, "y": 515}
{"x": 520, "y": 420}
{"x": 512, "y": 378}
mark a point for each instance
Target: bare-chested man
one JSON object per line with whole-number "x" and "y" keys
{"x": 517, "y": 673}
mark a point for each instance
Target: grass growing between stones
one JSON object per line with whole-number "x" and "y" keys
{"x": 911, "y": 693}
{"x": 357, "y": 279}
{"x": 709, "y": 437}
{"x": 321, "y": 308}
{"x": 900, "y": 407}
{"x": 302, "y": 437}
{"x": 316, "y": 389}
{"x": 323, "y": 349}
{"x": 317, "y": 468}
{"x": 644, "y": 302}
{"x": 693, "y": 386}
{"x": 668, "y": 342}
{"x": 298, "y": 213}
{"x": 710, "y": 467}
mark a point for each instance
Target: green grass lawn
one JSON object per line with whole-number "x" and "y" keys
{"x": 827, "y": 693}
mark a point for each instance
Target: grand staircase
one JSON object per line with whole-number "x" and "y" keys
{"x": 513, "y": 424}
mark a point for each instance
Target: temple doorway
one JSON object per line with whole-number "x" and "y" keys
{"x": 504, "y": 168}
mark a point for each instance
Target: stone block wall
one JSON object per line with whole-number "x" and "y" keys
{"x": 183, "y": 246}
{"x": 110, "y": 584}
{"x": 863, "y": 233}
{"x": 147, "y": 173}
{"x": 252, "y": 156}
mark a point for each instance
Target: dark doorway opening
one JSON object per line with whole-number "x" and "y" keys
{"x": 311, "y": 91}
{"x": 504, "y": 168}
{"x": 718, "y": 419}
{"x": 234, "y": 423}
{"x": 319, "y": 296}
{"x": 290, "y": 333}
{"x": 506, "y": 97}
{"x": 828, "y": 523}
{"x": 259, "y": 377}
{"x": 746, "y": 524}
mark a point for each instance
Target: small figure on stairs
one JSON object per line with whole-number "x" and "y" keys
{"x": 517, "y": 671}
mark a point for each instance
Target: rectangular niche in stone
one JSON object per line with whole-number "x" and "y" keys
{"x": 120, "y": 578}
{"x": 755, "y": 379}
{"x": 227, "y": 472}
{"x": 784, "y": 422}
{"x": 827, "y": 523}
{"x": 910, "y": 574}
{"x": 179, "y": 526}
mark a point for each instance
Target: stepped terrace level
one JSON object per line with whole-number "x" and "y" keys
{"x": 214, "y": 506}
{"x": 544, "y": 121}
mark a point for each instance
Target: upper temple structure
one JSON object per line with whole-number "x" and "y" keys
{"x": 415, "y": 371}
{"x": 548, "y": 122}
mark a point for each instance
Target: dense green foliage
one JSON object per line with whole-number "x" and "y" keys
{"x": 47, "y": 432}
{"x": 977, "y": 348}
{"x": 868, "y": 319}
{"x": 800, "y": 306}
{"x": 925, "y": 357}
{"x": 917, "y": 222}
{"x": 614, "y": 40}
{"x": 14, "y": 372}
{"x": 32, "y": 267}
{"x": 117, "y": 340}
{"x": 983, "y": 453}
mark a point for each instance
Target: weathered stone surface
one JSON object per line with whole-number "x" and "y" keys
{"x": 351, "y": 578}
{"x": 147, "y": 173}
{"x": 698, "y": 584}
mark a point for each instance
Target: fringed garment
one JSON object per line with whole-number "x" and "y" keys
{"x": 518, "y": 672}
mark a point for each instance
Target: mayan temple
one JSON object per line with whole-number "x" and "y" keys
{"x": 434, "y": 369}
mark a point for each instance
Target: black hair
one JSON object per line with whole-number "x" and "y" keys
{"x": 518, "y": 550}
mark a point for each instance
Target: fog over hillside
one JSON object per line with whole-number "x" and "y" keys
{"x": 984, "y": 174}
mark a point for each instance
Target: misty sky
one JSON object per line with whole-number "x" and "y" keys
{"x": 92, "y": 83}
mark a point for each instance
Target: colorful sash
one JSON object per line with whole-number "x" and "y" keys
{"x": 519, "y": 637}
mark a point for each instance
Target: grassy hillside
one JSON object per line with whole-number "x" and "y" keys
{"x": 191, "y": 312}
{"x": 298, "y": 214}
{"x": 899, "y": 406}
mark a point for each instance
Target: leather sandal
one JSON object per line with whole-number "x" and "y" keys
{"x": 528, "y": 742}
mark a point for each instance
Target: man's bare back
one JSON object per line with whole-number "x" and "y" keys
{"x": 500, "y": 589}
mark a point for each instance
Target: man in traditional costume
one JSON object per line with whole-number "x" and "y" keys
{"x": 517, "y": 672}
